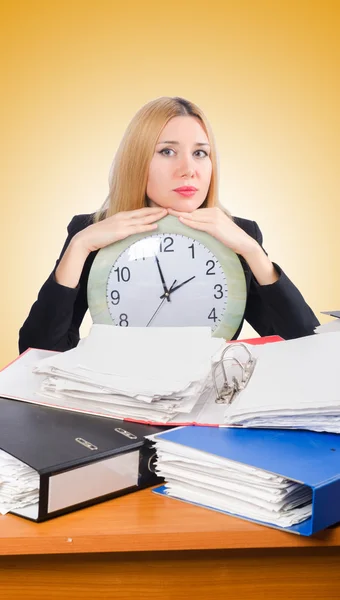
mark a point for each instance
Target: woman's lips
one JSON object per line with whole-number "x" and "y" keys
{"x": 186, "y": 191}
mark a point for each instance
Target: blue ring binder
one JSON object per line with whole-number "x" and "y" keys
{"x": 306, "y": 457}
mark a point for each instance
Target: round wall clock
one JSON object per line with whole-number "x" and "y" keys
{"x": 174, "y": 276}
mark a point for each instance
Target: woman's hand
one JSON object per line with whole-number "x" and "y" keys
{"x": 118, "y": 227}
{"x": 103, "y": 234}
{"x": 220, "y": 226}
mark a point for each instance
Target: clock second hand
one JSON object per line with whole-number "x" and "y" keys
{"x": 162, "y": 302}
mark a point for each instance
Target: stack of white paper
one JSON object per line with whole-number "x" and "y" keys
{"x": 332, "y": 325}
{"x": 196, "y": 476}
{"x": 151, "y": 374}
{"x": 295, "y": 384}
{"x": 19, "y": 484}
{"x": 164, "y": 375}
{"x": 328, "y": 327}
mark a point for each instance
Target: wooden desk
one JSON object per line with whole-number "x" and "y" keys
{"x": 144, "y": 546}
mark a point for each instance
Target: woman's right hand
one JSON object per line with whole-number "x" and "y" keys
{"x": 118, "y": 227}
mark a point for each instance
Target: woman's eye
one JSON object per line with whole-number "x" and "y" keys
{"x": 202, "y": 155}
{"x": 166, "y": 151}
{"x": 170, "y": 152}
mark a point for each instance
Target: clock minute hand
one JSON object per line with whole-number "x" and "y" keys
{"x": 166, "y": 291}
{"x": 173, "y": 289}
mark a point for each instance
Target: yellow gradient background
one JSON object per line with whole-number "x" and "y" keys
{"x": 73, "y": 73}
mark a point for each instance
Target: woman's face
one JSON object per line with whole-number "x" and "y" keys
{"x": 180, "y": 169}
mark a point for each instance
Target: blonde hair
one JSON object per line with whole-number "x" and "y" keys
{"x": 129, "y": 171}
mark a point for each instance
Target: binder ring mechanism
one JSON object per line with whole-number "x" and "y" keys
{"x": 236, "y": 376}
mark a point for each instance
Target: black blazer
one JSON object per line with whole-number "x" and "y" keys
{"x": 54, "y": 319}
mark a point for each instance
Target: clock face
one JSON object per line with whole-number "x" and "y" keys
{"x": 194, "y": 292}
{"x": 204, "y": 282}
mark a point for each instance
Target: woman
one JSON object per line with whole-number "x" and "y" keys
{"x": 165, "y": 164}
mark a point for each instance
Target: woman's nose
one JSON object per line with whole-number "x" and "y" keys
{"x": 186, "y": 167}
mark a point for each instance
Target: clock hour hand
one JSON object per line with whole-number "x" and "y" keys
{"x": 173, "y": 289}
{"x": 166, "y": 291}
{"x": 159, "y": 306}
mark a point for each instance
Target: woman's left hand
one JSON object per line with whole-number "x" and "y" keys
{"x": 215, "y": 222}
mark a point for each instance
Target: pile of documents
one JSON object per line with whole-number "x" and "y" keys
{"x": 19, "y": 484}
{"x": 210, "y": 480}
{"x": 148, "y": 374}
{"x": 176, "y": 376}
{"x": 295, "y": 384}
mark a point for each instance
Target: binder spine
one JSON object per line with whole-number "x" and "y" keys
{"x": 43, "y": 496}
{"x": 326, "y": 503}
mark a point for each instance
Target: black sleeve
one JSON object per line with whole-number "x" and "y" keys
{"x": 55, "y": 317}
{"x": 278, "y": 308}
